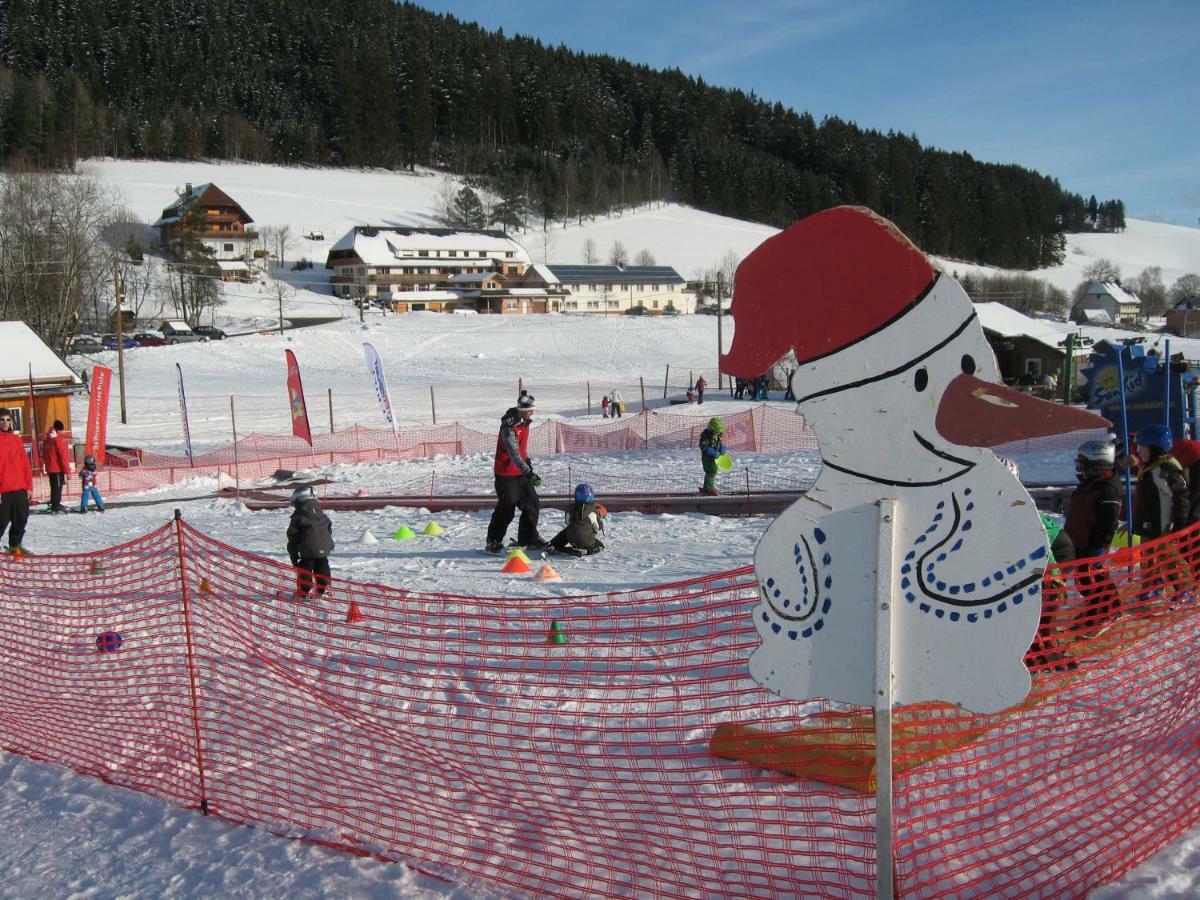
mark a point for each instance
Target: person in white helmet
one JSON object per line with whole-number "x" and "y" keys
{"x": 1093, "y": 513}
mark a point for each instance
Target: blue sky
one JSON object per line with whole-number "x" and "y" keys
{"x": 1103, "y": 95}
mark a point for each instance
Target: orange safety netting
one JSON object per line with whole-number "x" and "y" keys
{"x": 762, "y": 429}
{"x": 638, "y": 757}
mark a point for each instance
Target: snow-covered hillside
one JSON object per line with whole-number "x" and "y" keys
{"x": 331, "y": 201}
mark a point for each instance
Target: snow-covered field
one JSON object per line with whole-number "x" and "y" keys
{"x": 66, "y": 835}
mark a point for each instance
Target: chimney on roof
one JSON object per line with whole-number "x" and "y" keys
{"x": 187, "y": 189}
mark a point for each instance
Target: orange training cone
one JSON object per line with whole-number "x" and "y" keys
{"x": 205, "y": 587}
{"x": 547, "y": 573}
{"x": 516, "y": 566}
{"x": 354, "y": 614}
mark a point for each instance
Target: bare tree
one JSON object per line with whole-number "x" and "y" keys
{"x": 1185, "y": 286}
{"x": 52, "y": 255}
{"x": 447, "y": 193}
{"x": 618, "y": 255}
{"x": 590, "y": 256}
{"x": 284, "y": 292}
{"x": 276, "y": 239}
{"x": 645, "y": 258}
{"x": 143, "y": 288}
{"x": 1149, "y": 287}
{"x": 548, "y": 241}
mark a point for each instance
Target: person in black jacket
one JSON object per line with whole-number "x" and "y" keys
{"x": 309, "y": 543}
{"x": 1093, "y": 513}
{"x": 585, "y": 521}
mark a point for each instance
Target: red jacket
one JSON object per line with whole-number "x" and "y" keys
{"x": 15, "y": 472}
{"x": 56, "y": 453}
{"x": 512, "y": 457}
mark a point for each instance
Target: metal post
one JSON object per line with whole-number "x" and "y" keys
{"x": 1069, "y": 368}
{"x": 720, "y": 317}
{"x": 884, "y": 879}
{"x": 666, "y": 381}
{"x": 589, "y": 398}
{"x": 1167, "y": 382}
{"x": 330, "y": 410}
{"x": 1128, "y": 449}
{"x": 119, "y": 292}
{"x": 642, "y": 381}
{"x": 433, "y": 404}
{"x": 237, "y": 471}
{"x": 191, "y": 658}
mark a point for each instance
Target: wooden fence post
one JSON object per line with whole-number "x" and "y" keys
{"x": 666, "y": 381}
{"x": 433, "y": 404}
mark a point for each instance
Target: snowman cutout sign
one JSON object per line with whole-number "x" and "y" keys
{"x": 901, "y": 388}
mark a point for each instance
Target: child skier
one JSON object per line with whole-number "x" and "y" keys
{"x": 585, "y": 522}
{"x": 604, "y": 406}
{"x": 1161, "y": 502}
{"x": 87, "y": 478}
{"x": 309, "y": 543}
{"x": 710, "y": 448}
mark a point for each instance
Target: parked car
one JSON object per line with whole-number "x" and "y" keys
{"x": 177, "y": 332}
{"x": 638, "y": 310}
{"x": 126, "y": 342}
{"x": 150, "y": 339}
{"x": 85, "y": 344}
{"x": 209, "y": 332}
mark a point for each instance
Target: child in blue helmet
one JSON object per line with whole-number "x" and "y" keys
{"x": 585, "y": 521}
{"x": 1161, "y": 502}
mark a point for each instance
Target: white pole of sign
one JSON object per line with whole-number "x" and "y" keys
{"x": 883, "y": 699}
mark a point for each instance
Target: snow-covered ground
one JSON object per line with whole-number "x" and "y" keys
{"x": 66, "y": 835}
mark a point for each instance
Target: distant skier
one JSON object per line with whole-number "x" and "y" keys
{"x": 615, "y": 404}
{"x": 56, "y": 456}
{"x": 87, "y": 479}
{"x": 701, "y": 384}
{"x": 516, "y": 483}
{"x": 604, "y": 406}
{"x": 309, "y": 543}
{"x": 581, "y": 536}
{"x": 16, "y": 484}
{"x": 710, "y": 448}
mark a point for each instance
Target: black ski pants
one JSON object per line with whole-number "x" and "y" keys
{"x": 515, "y": 492}
{"x": 14, "y": 515}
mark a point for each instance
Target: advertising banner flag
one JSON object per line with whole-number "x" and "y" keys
{"x": 97, "y": 419}
{"x": 35, "y": 452}
{"x": 375, "y": 364}
{"x": 296, "y": 399}
{"x": 187, "y": 428}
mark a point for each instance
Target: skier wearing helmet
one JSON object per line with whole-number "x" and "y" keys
{"x": 710, "y": 448}
{"x": 309, "y": 543}
{"x": 1161, "y": 502}
{"x": 585, "y": 521}
{"x": 87, "y": 480}
{"x": 1093, "y": 513}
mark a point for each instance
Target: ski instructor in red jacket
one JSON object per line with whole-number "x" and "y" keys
{"x": 56, "y": 456}
{"x": 16, "y": 484}
{"x": 516, "y": 484}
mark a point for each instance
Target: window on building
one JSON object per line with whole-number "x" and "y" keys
{"x": 228, "y": 248}
{"x": 509, "y": 254}
{"x": 510, "y": 304}
{"x": 654, "y": 305}
{"x": 613, "y": 304}
{"x": 654, "y": 287}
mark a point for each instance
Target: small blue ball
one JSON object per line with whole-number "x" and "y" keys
{"x": 109, "y": 642}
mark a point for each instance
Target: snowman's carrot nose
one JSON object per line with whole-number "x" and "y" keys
{"x": 977, "y": 413}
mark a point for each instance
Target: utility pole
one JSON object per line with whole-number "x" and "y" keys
{"x": 118, "y": 292}
{"x": 720, "y": 316}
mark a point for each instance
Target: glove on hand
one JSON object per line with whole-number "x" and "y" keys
{"x": 601, "y": 511}
{"x": 534, "y": 480}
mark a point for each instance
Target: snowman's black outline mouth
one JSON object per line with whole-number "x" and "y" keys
{"x": 967, "y": 466}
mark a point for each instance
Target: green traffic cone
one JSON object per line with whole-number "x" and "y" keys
{"x": 557, "y": 635}
{"x": 519, "y": 553}
{"x": 97, "y": 569}
{"x": 404, "y": 533}
{"x": 433, "y": 528}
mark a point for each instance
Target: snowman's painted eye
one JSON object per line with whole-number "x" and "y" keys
{"x": 968, "y": 364}
{"x": 921, "y": 379}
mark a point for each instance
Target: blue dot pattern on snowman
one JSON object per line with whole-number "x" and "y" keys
{"x": 814, "y": 597}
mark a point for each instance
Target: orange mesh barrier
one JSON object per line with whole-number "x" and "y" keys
{"x": 762, "y": 429}
{"x": 600, "y": 757}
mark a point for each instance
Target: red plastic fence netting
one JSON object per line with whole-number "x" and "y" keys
{"x": 636, "y": 758}
{"x": 762, "y": 429}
